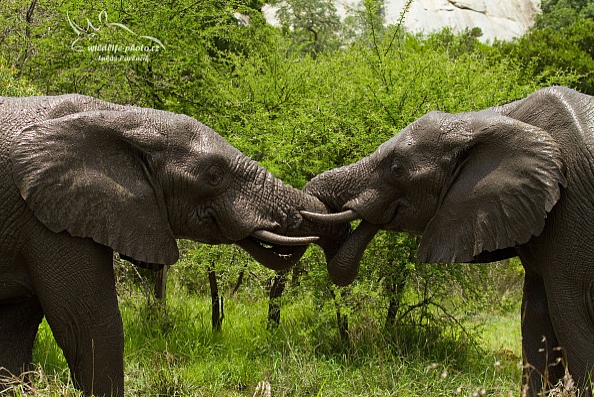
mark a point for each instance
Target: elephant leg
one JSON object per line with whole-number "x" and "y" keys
{"x": 539, "y": 342}
{"x": 572, "y": 312}
{"x": 19, "y": 322}
{"x": 75, "y": 283}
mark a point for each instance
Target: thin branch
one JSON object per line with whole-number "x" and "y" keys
{"x": 239, "y": 280}
{"x": 388, "y": 112}
{"x": 458, "y": 323}
{"x": 380, "y": 59}
{"x": 399, "y": 25}
{"x": 410, "y": 308}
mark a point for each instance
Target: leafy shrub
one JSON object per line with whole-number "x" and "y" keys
{"x": 558, "y": 49}
{"x": 10, "y": 85}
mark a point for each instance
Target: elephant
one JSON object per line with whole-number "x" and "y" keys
{"x": 483, "y": 186}
{"x": 82, "y": 178}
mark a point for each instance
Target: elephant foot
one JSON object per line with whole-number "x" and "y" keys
{"x": 19, "y": 322}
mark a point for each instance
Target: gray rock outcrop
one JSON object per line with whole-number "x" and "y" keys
{"x": 501, "y": 19}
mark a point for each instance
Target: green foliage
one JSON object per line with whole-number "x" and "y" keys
{"x": 561, "y": 13}
{"x": 559, "y": 50}
{"x": 10, "y": 84}
{"x": 562, "y": 56}
{"x": 457, "y": 44}
{"x": 313, "y": 24}
{"x": 107, "y": 49}
{"x": 297, "y": 114}
{"x": 177, "y": 354}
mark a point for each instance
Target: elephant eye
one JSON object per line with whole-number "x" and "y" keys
{"x": 396, "y": 169}
{"x": 214, "y": 175}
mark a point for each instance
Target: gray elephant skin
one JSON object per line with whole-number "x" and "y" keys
{"x": 82, "y": 178}
{"x": 513, "y": 180}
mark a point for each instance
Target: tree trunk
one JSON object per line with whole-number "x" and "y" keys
{"x": 395, "y": 289}
{"x": 216, "y": 302}
{"x": 342, "y": 320}
{"x": 24, "y": 57}
{"x": 239, "y": 280}
{"x": 343, "y": 327}
{"x": 158, "y": 276}
{"x": 397, "y": 280}
{"x": 276, "y": 290}
{"x": 161, "y": 283}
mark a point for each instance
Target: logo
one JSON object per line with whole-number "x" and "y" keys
{"x": 92, "y": 40}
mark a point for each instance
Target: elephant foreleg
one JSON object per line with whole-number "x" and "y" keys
{"x": 19, "y": 322}
{"x": 572, "y": 313}
{"x": 542, "y": 365}
{"x": 75, "y": 283}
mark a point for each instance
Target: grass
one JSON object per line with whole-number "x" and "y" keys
{"x": 173, "y": 352}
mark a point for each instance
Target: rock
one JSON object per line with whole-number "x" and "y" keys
{"x": 501, "y": 19}
{"x": 242, "y": 19}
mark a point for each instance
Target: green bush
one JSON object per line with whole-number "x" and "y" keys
{"x": 558, "y": 50}
{"x": 10, "y": 84}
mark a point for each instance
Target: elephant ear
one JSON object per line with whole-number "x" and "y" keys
{"x": 89, "y": 173}
{"x": 508, "y": 177}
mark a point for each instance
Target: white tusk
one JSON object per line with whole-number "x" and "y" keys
{"x": 273, "y": 238}
{"x": 331, "y": 219}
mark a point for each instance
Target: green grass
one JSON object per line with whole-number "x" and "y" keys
{"x": 173, "y": 352}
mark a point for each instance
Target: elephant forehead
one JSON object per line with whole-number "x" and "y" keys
{"x": 399, "y": 142}
{"x": 206, "y": 139}
{"x": 415, "y": 140}
{"x": 427, "y": 130}
{"x": 197, "y": 139}
{"x": 443, "y": 132}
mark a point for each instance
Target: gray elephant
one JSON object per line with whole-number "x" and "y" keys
{"x": 484, "y": 186}
{"x": 82, "y": 177}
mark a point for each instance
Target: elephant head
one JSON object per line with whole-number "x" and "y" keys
{"x": 136, "y": 179}
{"x": 472, "y": 184}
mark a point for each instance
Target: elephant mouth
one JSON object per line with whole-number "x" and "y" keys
{"x": 273, "y": 255}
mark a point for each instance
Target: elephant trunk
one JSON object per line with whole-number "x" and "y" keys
{"x": 343, "y": 263}
{"x": 336, "y": 188}
{"x": 340, "y": 186}
{"x": 289, "y": 232}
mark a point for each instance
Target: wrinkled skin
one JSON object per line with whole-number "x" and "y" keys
{"x": 485, "y": 186}
{"x": 81, "y": 178}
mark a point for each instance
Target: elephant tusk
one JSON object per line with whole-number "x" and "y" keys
{"x": 331, "y": 219}
{"x": 273, "y": 238}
